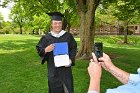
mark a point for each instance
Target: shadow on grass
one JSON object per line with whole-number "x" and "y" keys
{"x": 18, "y": 44}
{"x": 21, "y": 71}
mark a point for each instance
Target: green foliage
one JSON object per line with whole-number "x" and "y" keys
{"x": 6, "y": 28}
{"x": 1, "y": 20}
{"x": 1, "y": 17}
{"x": 105, "y": 15}
{"x": 37, "y": 23}
{"x": 25, "y": 13}
{"x": 124, "y": 10}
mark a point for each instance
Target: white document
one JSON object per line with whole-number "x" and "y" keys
{"x": 61, "y": 60}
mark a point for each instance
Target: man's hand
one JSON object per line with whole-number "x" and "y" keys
{"x": 95, "y": 72}
{"x": 49, "y": 48}
{"x": 94, "y": 68}
{"x": 121, "y": 75}
{"x": 106, "y": 62}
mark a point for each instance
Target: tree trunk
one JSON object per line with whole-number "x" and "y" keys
{"x": 20, "y": 29}
{"x": 86, "y": 40}
{"x": 0, "y": 25}
{"x": 33, "y": 31}
{"x": 87, "y": 27}
{"x": 68, "y": 27}
{"x": 125, "y": 32}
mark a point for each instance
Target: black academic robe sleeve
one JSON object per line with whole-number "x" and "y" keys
{"x": 41, "y": 49}
{"x": 73, "y": 49}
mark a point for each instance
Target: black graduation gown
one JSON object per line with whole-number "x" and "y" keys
{"x": 58, "y": 76}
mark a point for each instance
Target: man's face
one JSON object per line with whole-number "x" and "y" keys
{"x": 56, "y": 26}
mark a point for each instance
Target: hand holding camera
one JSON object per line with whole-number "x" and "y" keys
{"x": 98, "y": 49}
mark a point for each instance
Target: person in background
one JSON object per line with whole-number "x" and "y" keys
{"x": 131, "y": 82}
{"x": 60, "y": 79}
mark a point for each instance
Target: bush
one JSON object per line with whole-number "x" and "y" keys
{"x": 2, "y": 32}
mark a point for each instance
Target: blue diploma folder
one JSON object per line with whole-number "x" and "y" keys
{"x": 60, "y": 48}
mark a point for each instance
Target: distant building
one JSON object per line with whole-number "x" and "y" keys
{"x": 108, "y": 29}
{"x": 135, "y": 29}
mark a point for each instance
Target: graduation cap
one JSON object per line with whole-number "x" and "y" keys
{"x": 58, "y": 17}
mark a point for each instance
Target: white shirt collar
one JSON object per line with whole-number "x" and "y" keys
{"x": 57, "y": 35}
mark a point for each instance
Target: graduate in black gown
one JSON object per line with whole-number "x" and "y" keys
{"x": 60, "y": 79}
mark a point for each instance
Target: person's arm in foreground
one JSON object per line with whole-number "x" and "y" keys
{"x": 95, "y": 72}
{"x": 121, "y": 75}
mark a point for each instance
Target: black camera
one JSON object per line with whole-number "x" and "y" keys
{"x": 98, "y": 49}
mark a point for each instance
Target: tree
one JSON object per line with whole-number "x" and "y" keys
{"x": 124, "y": 11}
{"x": 127, "y": 10}
{"x": 86, "y": 11}
{"x": 18, "y": 15}
{"x": 37, "y": 7}
{"x": 104, "y": 16}
{"x": 1, "y": 20}
{"x": 40, "y": 23}
{"x": 70, "y": 13}
{"x": 66, "y": 7}
{"x": 7, "y": 28}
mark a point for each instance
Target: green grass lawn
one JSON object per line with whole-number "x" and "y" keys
{"x": 21, "y": 71}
